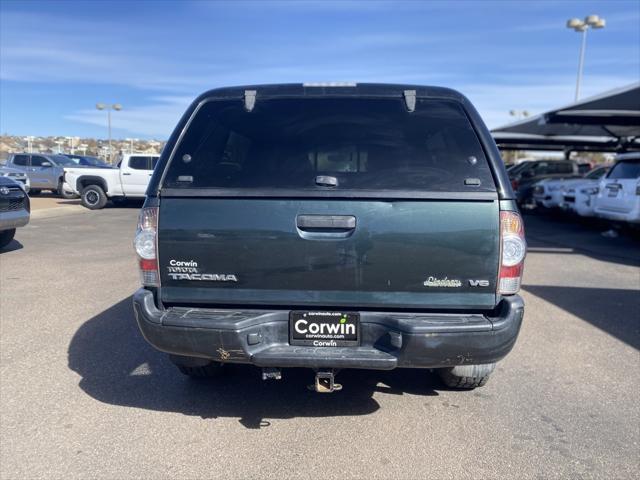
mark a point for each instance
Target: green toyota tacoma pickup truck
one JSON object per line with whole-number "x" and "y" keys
{"x": 331, "y": 226}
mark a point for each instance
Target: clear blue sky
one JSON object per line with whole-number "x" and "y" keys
{"x": 58, "y": 58}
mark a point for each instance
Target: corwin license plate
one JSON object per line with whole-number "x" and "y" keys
{"x": 324, "y": 329}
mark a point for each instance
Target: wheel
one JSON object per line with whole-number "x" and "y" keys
{"x": 34, "y": 191}
{"x": 93, "y": 197}
{"x": 6, "y": 236}
{"x": 197, "y": 367}
{"x": 466, "y": 376}
{"x": 64, "y": 194}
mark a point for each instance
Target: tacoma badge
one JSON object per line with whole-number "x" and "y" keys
{"x": 205, "y": 277}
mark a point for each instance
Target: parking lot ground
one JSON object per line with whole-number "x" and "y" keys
{"x": 83, "y": 395}
{"x": 48, "y": 200}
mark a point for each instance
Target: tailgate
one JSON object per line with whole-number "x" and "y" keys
{"x": 325, "y": 253}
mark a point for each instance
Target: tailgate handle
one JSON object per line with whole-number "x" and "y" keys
{"x": 326, "y": 222}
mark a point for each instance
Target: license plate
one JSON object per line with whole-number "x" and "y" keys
{"x": 613, "y": 192}
{"x": 324, "y": 329}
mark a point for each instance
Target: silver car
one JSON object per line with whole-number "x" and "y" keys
{"x": 45, "y": 171}
{"x": 16, "y": 175}
{"x": 14, "y": 209}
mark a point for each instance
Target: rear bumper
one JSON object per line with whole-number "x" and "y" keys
{"x": 388, "y": 340}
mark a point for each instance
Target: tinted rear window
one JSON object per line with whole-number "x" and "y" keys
{"x": 366, "y": 144}
{"x": 625, "y": 169}
{"x": 21, "y": 160}
{"x": 596, "y": 173}
{"x": 561, "y": 167}
{"x": 139, "y": 163}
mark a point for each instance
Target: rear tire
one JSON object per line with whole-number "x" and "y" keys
{"x": 197, "y": 367}
{"x": 466, "y": 377}
{"x": 93, "y": 197}
{"x": 6, "y": 236}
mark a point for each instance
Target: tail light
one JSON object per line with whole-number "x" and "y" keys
{"x": 145, "y": 244}
{"x": 514, "y": 184}
{"x": 513, "y": 249}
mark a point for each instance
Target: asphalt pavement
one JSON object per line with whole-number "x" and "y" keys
{"x": 82, "y": 395}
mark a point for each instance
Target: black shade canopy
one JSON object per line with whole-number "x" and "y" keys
{"x": 606, "y": 122}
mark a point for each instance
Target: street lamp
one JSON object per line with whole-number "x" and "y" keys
{"x": 591, "y": 21}
{"x": 117, "y": 107}
{"x": 518, "y": 114}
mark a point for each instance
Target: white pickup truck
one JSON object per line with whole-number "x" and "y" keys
{"x": 97, "y": 185}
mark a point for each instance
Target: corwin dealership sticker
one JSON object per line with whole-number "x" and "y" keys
{"x": 189, "y": 270}
{"x": 324, "y": 329}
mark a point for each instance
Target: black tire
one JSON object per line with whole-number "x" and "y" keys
{"x": 93, "y": 197}
{"x": 197, "y": 367}
{"x": 466, "y": 377}
{"x": 34, "y": 191}
{"x": 6, "y": 236}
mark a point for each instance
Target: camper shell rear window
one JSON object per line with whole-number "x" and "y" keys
{"x": 361, "y": 144}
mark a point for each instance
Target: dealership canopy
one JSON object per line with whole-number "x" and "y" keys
{"x": 607, "y": 123}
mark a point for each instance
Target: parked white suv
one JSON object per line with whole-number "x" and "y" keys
{"x": 580, "y": 197}
{"x": 619, "y": 192}
{"x": 97, "y": 185}
{"x": 549, "y": 193}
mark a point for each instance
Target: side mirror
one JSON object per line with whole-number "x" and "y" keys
{"x": 46, "y": 164}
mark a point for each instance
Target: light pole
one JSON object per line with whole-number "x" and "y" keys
{"x": 117, "y": 107}
{"x": 29, "y": 140}
{"x": 131, "y": 140}
{"x": 518, "y": 114}
{"x": 591, "y": 21}
{"x": 72, "y": 146}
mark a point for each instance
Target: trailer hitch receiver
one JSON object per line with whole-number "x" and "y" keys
{"x": 325, "y": 382}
